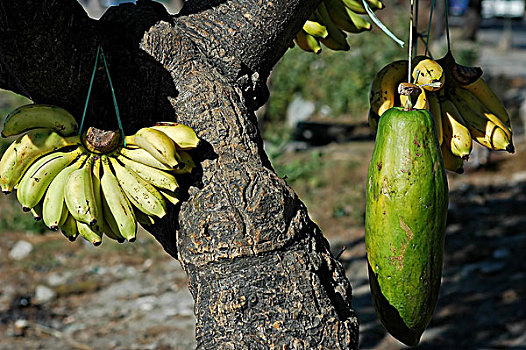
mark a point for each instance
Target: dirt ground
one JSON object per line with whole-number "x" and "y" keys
{"x": 134, "y": 296}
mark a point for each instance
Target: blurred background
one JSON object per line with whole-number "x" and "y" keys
{"x": 60, "y": 295}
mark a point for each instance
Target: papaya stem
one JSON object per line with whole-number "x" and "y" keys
{"x": 412, "y": 91}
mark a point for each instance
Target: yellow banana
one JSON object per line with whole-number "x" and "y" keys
{"x": 337, "y": 39}
{"x": 456, "y": 135}
{"x": 54, "y": 206}
{"x": 37, "y": 178}
{"x": 110, "y": 227}
{"x": 157, "y": 143}
{"x": 375, "y": 4}
{"x": 63, "y": 217}
{"x": 307, "y": 42}
{"x": 429, "y": 74}
{"x": 79, "y": 195}
{"x": 156, "y": 177}
{"x": 421, "y": 102}
{"x": 140, "y": 192}
{"x": 37, "y": 211}
{"x": 457, "y": 74}
{"x": 144, "y": 157}
{"x": 435, "y": 109}
{"x": 500, "y": 140}
{"x": 142, "y": 218}
{"x": 360, "y": 23}
{"x": 189, "y": 163}
{"x": 315, "y": 29}
{"x": 385, "y": 85}
{"x": 94, "y": 233}
{"x": 170, "y": 196}
{"x": 88, "y": 233}
{"x": 27, "y": 149}
{"x": 118, "y": 211}
{"x": 34, "y": 116}
{"x": 96, "y": 173}
{"x": 346, "y": 19}
{"x": 482, "y": 129}
{"x": 373, "y": 119}
{"x": 355, "y": 6}
{"x": 111, "y": 232}
{"x": 484, "y": 97}
{"x": 452, "y": 162}
{"x": 69, "y": 228}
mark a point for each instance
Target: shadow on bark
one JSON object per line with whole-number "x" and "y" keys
{"x": 132, "y": 70}
{"x": 198, "y": 6}
{"x": 166, "y": 227}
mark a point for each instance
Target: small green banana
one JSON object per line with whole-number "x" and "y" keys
{"x": 184, "y": 136}
{"x": 188, "y": 161}
{"x": 143, "y": 156}
{"x": 337, "y": 39}
{"x": 35, "y": 116}
{"x": 315, "y": 29}
{"x": 307, "y": 42}
{"x": 79, "y": 195}
{"x": 140, "y": 192}
{"x": 37, "y": 211}
{"x": 96, "y": 173}
{"x": 170, "y": 196}
{"x": 117, "y": 207}
{"x": 142, "y": 218}
{"x": 156, "y": 177}
{"x": 111, "y": 231}
{"x": 37, "y": 178}
{"x": 69, "y": 228}
{"x": 54, "y": 206}
{"x": 157, "y": 143}
{"x": 26, "y": 150}
{"x": 88, "y": 233}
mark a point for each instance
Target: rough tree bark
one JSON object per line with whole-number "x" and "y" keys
{"x": 261, "y": 273}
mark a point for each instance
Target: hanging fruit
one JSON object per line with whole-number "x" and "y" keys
{"x": 406, "y": 208}
{"x": 464, "y": 107}
{"x": 90, "y": 184}
{"x": 332, "y": 20}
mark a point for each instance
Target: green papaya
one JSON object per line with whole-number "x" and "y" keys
{"x": 406, "y": 209}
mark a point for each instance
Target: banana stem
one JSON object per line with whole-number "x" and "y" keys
{"x": 412, "y": 92}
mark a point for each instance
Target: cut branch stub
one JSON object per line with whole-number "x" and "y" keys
{"x": 101, "y": 141}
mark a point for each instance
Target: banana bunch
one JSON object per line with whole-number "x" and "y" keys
{"x": 83, "y": 188}
{"x": 330, "y": 22}
{"x": 463, "y": 106}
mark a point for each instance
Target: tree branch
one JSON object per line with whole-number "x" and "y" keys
{"x": 261, "y": 30}
{"x": 239, "y": 215}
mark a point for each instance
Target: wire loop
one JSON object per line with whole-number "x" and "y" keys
{"x": 100, "y": 53}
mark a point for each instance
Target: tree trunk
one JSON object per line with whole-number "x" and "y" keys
{"x": 260, "y": 271}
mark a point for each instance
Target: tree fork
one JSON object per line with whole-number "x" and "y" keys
{"x": 260, "y": 271}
